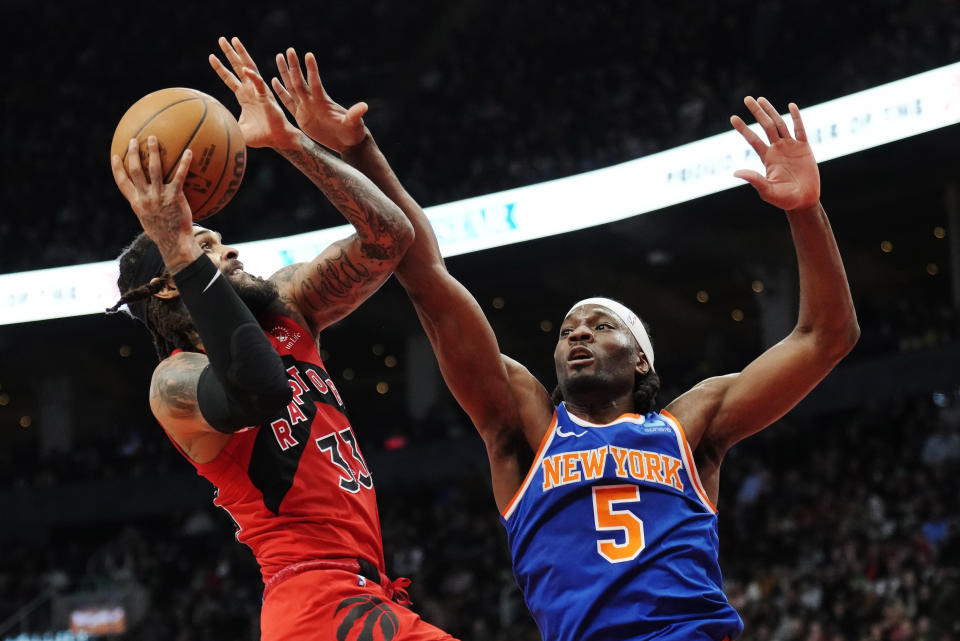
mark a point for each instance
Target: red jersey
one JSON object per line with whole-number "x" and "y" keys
{"x": 297, "y": 486}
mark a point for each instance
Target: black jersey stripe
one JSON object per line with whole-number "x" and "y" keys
{"x": 272, "y": 468}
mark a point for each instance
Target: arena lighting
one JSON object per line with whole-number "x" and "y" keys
{"x": 62, "y": 635}
{"x": 840, "y": 127}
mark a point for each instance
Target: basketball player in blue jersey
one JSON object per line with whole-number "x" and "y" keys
{"x": 610, "y": 506}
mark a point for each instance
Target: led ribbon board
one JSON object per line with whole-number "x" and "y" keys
{"x": 840, "y": 127}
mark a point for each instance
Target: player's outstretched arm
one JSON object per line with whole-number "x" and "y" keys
{"x": 509, "y": 407}
{"x": 721, "y": 411}
{"x": 349, "y": 271}
{"x": 484, "y": 383}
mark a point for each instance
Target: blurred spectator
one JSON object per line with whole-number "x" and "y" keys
{"x": 943, "y": 445}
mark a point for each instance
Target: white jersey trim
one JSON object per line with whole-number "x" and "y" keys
{"x": 689, "y": 463}
{"x": 637, "y": 419}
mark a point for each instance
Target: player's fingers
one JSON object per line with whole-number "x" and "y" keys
{"x": 231, "y": 55}
{"x": 755, "y": 141}
{"x": 245, "y": 58}
{"x": 258, "y": 84}
{"x": 762, "y": 118}
{"x": 757, "y": 181}
{"x": 313, "y": 74}
{"x": 288, "y": 101}
{"x": 799, "y": 132}
{"x": 778, "y": 122}
{"x": 154, "y": 167}
{"x": 354, "y": 115}
{"x": 225, "y": 75}
{"x": 135, "y": 171}
{"x": 296, "y": 74}
{"x": 284, "y": 71}
{"x": 127, "y": 188}
{"x": 180, "y": 175}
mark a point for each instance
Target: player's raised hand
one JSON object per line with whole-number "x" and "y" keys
{"x": 262, "y": 120}
{"x": 161, "y": 207}
{"x": 316, "y": 113}
{"x": 792, "y": 179}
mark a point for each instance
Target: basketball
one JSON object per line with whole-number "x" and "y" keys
{"x": 184, "y": 119}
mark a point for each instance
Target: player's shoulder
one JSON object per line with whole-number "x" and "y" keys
{"x": 285, "y": 281}
{"x": 515, "y": 368}
{"x": 180, "y": 362}
{"x": 695, "y": 408}
{"x": 178, "y": 368}
{"x": 285, "y": 274}
{"x": 173, "y": 386}
{"x": 527, "y": 388}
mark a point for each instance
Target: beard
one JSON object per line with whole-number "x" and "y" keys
{"x": 255, "y": 292}
{"x": 173, "y": 328}
{"x": 590, "y": 385}
{"x": 611, "y": 376}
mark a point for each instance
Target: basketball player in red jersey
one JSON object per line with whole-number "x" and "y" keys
{"x": 581, "y": 582}
{"x": 241, "y": 389}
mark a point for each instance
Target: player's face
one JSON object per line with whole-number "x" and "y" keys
{"x": 595, "y": 350}
{"x": 223, "y": 256}
{"x": 256, "y": 292}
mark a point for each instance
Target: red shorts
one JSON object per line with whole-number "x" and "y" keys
{"x": 338, "y": 605}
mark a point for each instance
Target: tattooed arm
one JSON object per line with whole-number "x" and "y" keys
{"x": 173, "y": 399}
{"x": 350, "y": 270}
{"x": 346, "y": 273}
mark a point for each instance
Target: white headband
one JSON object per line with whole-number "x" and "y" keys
{"x": 628, "y": 318}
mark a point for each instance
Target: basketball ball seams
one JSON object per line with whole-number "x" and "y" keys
{"x": 186, "y": 145}
{"x": 211, "y": 131}
{"x": 223, "y": 171}
{"x": 156, "y": 114}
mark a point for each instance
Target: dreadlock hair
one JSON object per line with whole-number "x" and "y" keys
{"x": 645, "y": 388}
{"x": 167, "y": 320}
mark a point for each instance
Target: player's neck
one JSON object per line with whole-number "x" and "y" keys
{"x": 599, "y": 411}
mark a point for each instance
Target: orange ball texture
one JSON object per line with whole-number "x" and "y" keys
{"x": 184, "y": 119}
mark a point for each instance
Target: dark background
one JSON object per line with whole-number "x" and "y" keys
{"x": 469, "y": 97}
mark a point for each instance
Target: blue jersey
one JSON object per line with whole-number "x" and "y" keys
{"x": 613, "y": 537}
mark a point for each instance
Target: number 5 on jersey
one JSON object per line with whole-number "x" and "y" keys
{"x": 607, "y": 518}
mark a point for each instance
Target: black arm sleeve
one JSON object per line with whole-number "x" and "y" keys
{"x": 245, "y": 382}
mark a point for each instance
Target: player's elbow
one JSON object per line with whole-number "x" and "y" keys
{"x": 839, "y": 340}
{"x": 228, "y": 410}
{"x": 405, "y": 235}
{"x": 851, "y": 335}
{"x": 388, "y": 249}
{"x": 833, "y": 338}
{"x": 853, "y": 332}
{"x": 252, "y": 391}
